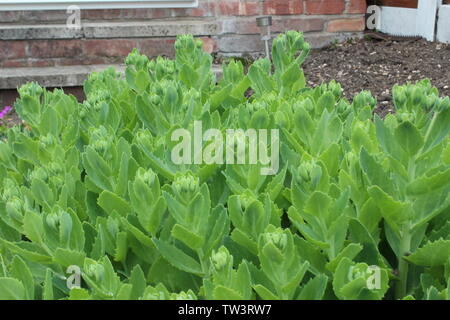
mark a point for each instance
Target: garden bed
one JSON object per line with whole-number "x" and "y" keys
{"x": 376, "y": 63}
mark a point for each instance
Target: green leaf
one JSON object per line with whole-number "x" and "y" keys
{"x": 265, "y": 293}
{"x": 189, "y": 238}
{"x": 47, "y": 291}
{"x": 66, "y": 257}
{"x": 109, "y": 202}
{"x": 33, "y": 226}
{"x": 138, "y": 282}
{"x": 439, "y": 131}
{"x": 396, "y": 213}
{"x": 431, "y": 254}
{"x": 21, "y": 272}
{"x": 350, "y": 252}
{"x": 41, "y": 192}
{"x": 314, "y": 289}
{"x": 427, "y": 184}
{"x": 178, "y": 258}
{"x": 375, "y": 172}
{"x": 79, "y": 294}
{"x": 409, "y": 138}
{"x": 224, "y": 293}
{"x": 97, "y": 169}
{"x": 11, "y": 289}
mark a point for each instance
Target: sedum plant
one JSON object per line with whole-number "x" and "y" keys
{"x": 93, "y": 207}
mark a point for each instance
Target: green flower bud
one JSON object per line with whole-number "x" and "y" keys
{"x": 418, "y": 97}
{"x": 52, "y": 220}
{"x": 100, "y": 145}
{"x": 308, "y": 105}
{"x": 96, "y": 271}
{"x": 399, "y": 96}
{"x": 56, "y": 168}
{"x": 147, "y": 176}
{"x": 444, "y": 104}
{"x": 46, "y": 141}
{"x": 186, "y": 183}
{"x": 343, "y": 107}
{"x": 351, "y": 158}
{"x": 406, "y": 116}
{"x": 432, "y": 101}
{"x": 220, "y": 259}
{"x": 10, "y": 190}
{"x": 14, "y": 208}
{"x": 279, "y": 239}
{"x": 305, "y": 170}
{"x": 246, "y": 199}
{"x": 183, "y": 296}
{"x": 144, "y": 137}
{"x": 335, "y": 88}
{"x": 306, "y": 47}
{"x": 31, "y": 89}
{"x": 155, "y": 99}
{"x": 39, "y": 173}
{"x": 83, "y": 113}
{"x": 282, "y": 120}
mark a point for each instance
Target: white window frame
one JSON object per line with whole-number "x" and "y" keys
{"x": 11, "y": 5}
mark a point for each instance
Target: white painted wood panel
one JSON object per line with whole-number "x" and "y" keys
{"x": 8, "y": 5}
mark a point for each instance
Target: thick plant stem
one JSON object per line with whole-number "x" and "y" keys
{"x": 401, "y": 285}
{"x": 405, "y": 246}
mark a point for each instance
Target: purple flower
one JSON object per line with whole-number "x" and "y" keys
{"x": 5, "y": 111}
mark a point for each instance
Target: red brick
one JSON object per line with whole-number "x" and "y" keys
{"x": 346, "y": 25}
{"x": 208, "y": 8}
{"x": 87, "y": 61}
{"x": 12, "y": 49}
{"x": 299, "y": 24}
{"x": 11, "y": 16}
{"x": 44, "y": 15}
{"x": 357, "y": 6}
{"x": 228, "y": 8}
{"x": 41, "y": 63}
{"x": 250, "y": 8}
{"x": 198, "y": 12}
{"x": 101, "y": 14}
{"x": 14, "y": 63}
{"x": 209, "y": 44}
{"x": 283, "y": 7}
{"x": 248, "y": 25}
{"x": 324, "y": 6}
{"x": 154, "y": 47}
{"x": 109, "y": 47}
{"x": 54, "y": 48}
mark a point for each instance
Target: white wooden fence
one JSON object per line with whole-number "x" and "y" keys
{"x": 431, "y": 20}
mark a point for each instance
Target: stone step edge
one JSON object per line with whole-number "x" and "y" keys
{"x": 101, "y": 30}
{"x": 60, "y": 76}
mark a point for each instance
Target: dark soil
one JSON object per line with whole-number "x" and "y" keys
{"x": 376, "y": 63}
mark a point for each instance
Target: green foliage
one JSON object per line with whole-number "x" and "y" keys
{"x": 359, "y": 208}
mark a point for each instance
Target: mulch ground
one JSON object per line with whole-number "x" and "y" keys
{"x": 375, "y": 63}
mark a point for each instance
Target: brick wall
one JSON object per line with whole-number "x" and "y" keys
{"x": 226, "y": 26}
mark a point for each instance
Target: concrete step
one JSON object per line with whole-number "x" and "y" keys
{"x": 129, "y": 29}
{"x": 64, "y": 76}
